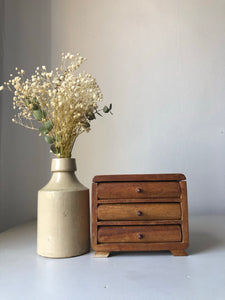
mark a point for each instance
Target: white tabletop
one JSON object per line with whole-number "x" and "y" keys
{"x": 146, "y": 275}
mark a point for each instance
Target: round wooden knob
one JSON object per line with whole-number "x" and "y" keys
{"x": 140, "y": 236}
{"x": 138, "y": 190}
{"x": 139, "y": 213}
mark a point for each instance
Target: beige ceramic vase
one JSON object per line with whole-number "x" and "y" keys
{"x": 63, "y": 213}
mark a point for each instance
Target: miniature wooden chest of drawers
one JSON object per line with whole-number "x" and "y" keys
{"x": 139, "y": 213}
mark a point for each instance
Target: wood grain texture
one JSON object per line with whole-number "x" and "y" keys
{"x": 139, "y": 234}
{"x": 101, "y": 254}
{"x": 140, "y": 212}
{"x": 179, "y": 252}
{"x": 156, "y": 222}
{"x": 184, "y": 210}
{"x": 139, "y": 177}
{"x": 125, "y": 234}
{"x": 139, "y": 246}
{"x": 130, "y": 200}
{"x": 94, "y": 214}
{"x": 139, "y": 190}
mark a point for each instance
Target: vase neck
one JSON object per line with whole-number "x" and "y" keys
{"x": 63, "y": 176}
{"x": 63, "y": 165}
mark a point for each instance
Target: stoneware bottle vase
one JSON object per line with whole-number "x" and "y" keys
{"x": 63, "y": 213}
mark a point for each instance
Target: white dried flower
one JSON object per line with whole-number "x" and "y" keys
{"x": 60, "y": 99}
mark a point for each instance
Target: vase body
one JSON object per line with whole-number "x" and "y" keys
{"x": 63, "y": 225}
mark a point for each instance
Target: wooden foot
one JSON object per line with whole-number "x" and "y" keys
{"x": 178, "y": 252}
{"x": 101, "y": 254}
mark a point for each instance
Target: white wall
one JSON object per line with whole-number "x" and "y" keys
{"x": 24, "y": 164}
{"x": 162, "y": 66}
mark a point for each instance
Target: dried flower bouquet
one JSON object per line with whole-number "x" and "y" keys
{"x": 62, "y": 101}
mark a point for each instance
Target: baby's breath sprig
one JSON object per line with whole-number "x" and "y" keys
{"x": 63, "y": 102}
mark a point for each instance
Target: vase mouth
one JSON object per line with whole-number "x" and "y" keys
{"x": 63, "y": 165}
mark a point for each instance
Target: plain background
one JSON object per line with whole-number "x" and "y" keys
{"x": 160, "y": 63}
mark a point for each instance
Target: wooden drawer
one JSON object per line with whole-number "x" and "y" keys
{"x": 139, "y": 212}
{"x": 135, "y": 190}
{"x": 139, "y": 234}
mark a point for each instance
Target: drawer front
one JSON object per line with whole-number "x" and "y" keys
{"x": 139, "y": 234}
{"x": 143, "y": 212}
{"x": 126, "y": 190}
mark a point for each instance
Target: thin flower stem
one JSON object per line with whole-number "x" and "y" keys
{"x": 58, "y": 102}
